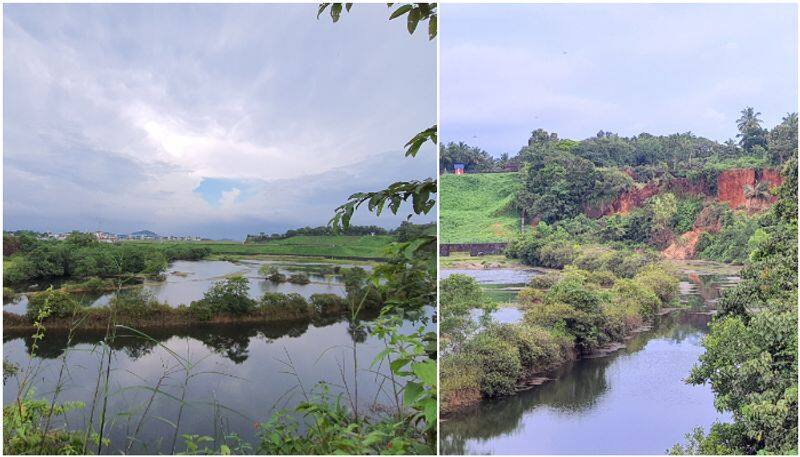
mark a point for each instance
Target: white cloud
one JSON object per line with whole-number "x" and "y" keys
{"x": 116, "y": 113}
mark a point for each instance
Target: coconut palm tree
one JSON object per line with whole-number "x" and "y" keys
{"x": 750, "y": 130}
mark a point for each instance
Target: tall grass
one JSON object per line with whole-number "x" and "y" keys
{"x": 478, "y": 208}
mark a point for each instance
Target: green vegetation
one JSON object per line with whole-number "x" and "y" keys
{"x": 610, "y": 280}
{"x": 479, "y": 208}
{"x": 299, "y": 278}
{"x": 224, "y": 297}
{"x": 751, "y": 351}
{"x": 359, "y": 247}
{"x": 571, "y": 312}
{"x": 80, "y": 255}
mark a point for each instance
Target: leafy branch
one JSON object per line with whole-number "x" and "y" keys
{"x": 414, "y": 12}
{"x": 418, "y": 191}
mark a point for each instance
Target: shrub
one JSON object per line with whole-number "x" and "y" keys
{"x": 631, "y": 294}
{"x": 24, "y": 430}
{"x": 573, "y": 291}
{"x": 8, "y": 294}
{"x": 360, "y": 290}
{"x": 539, "y": 349}
{"x": 60, "y": 304}
{"x": 267, "y": 270}
{"x": 499, "y": 362}
{"x": 136, "y": 303}
{"x": 601, "y": 278}
{"x": 277, "y": 277}
{"x": 225, "y": 297}
{"x": 299, "y": 278}
{"x": 585, "y": 328}
{"x": 328, "y": 303}
{"x": 661, "y": 280}
{"x": 293, "y": 303}
{"x": 528, "y": 296}
{"x": 460, "y": 371}
{"x": 544, "y": 281}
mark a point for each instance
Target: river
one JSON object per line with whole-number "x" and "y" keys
{"x": 634, "y": 401}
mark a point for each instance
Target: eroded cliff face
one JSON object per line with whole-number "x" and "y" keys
{"x": 732, "y": 187}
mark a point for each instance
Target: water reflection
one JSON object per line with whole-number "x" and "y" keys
{"x": 239, "y": 374}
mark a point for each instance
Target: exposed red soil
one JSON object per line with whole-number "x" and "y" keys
{"x": 731, "y": 185}
{"x": 683, "y": 247}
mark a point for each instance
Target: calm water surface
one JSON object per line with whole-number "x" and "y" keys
{"x": 187, "y": 281}
{"x": 634, "y": 401}
{"x": 240, "y": 375}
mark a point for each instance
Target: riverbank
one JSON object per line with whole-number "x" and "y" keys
{"x": 566, "y": 315}
{"x": 459, "y": 402}
{"x": 100, "y": 319}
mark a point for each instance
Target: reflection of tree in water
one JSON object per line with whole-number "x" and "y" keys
{"x": 576, "y": 388}
{"x": 357, "y": 331}
{"x": 231, "y": 342}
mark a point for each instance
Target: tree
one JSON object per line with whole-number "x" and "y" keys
{"x": 782, "y": 139}
{"x": 474, "y": 159}
{"x": 751, "y": 133}
{"x": 751, "y": 350}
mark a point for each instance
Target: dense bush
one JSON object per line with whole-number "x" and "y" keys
{"x": 276, "y": 302}
{"x": 686, "y": 214}
{"x": 630, "y": 294}
{"x": 539, "y": 348}
{"x": 729, "y": 244}
{"x": 136, "y": 303}
{"x": 299, "y": 278}
{"x": 225, "y": 297}
{"x": 360, "y": 290}
{"x": 544, "y": 281}
{"x": 328, "y": 303}
{"x": 662, "y": 280}
{"x": 458, "y": 295}
{"x": 80, "y": 255}
{"x": 500, "y": 364}
{"x": 57, "y": 303}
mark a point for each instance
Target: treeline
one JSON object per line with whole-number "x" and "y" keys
{"x": 648, "y": 156}
{"x": 80, "y": 255}
{"x": 406, "y": 231}
{"x": 475, "y": 160}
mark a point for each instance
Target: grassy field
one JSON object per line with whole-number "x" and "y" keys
{"x": 366, "y": 247}
{"x": 475, "y": 207}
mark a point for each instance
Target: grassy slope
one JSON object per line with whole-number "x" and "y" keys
{"x": 371, "y": 247}
{"x": 474, "y": 207}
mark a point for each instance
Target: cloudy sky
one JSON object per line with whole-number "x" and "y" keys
{"x": 576, "y": 69}
{"x": 213, "y": 120}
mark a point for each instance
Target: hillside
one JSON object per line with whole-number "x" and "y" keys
{"x": 476, "y": 208}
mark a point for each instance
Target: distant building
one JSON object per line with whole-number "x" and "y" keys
{"x": 458, "y": 168}
{"x": 144, "y": 235}
{"x": 105, "y": 237}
